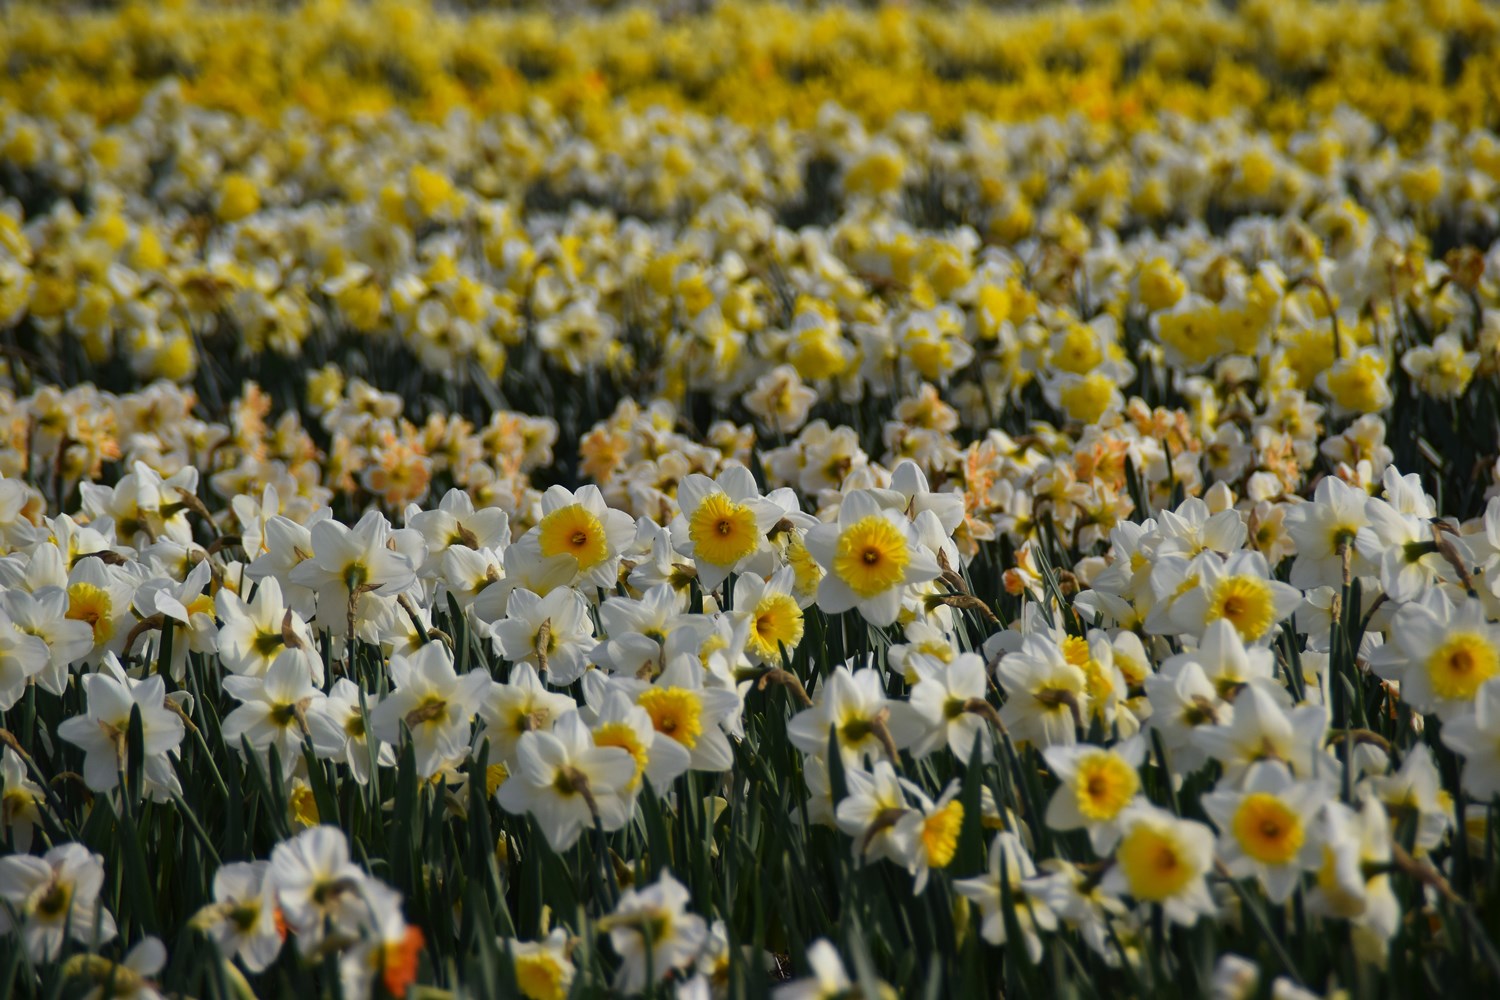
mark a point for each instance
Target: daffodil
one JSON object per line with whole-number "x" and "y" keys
{"x": 1010, "y": 865}
{"x": 870, "y": 557}
{"x": 432, "y": 703}
{"x": 567, "y": 782}
{"x": 54, "y": 897}
{"x": 653, "y": 926}
{"x": 1162, "y": 859}
{"x": 1097, "y": 786}
{"x": 1440, "y": 653}
{"x": 1264, "y": 826}
{"x": 725, "y": 522}
{"x": 581, "y": 525}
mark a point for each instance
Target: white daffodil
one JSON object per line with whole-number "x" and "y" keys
{"x": 241, "y": 920}
{"x": 724, "y": 523}
{"x": 347, "y": 566}
{"x": 652, "y": 925}
{"x": 567, "y": 782}
{"x": 774, "y": 614}
{"x": 435, "y": 704}
{"x": 22, "y": 657}
{"x": 854, "y": 706}
{"x": 870, "y": 557}
{"x": 1163, "y": 859}
{"x": 552, "y": 633}
{"x": 949, "y": 698}
{"x": 1097, "y": 785}
{"x": 455, "y": 522}
{"x": 20, "y": 800}
{"x": 1263, "y": 730}
{"x": 1440, "y": 653}
{"x": 274, "y": 707}
{"x": 103, "y": 731}
{"x": 53, "y": 897}
{"x": 43, "y": 614}
{"x": 1472, "y": 736}
{"x": 684, "y": 709}
{"x": 340, "y": 731}
{"x": 1239, "y": 590}
{"x": 583, "y": 526}
{"x": 1264, "y": 826}
{"x": 658, "y": 757}
{"x": 1046, "y": 697}
{"x": 254, "y": 632}
{"x": 519, "y": 706}
{"x": 544, "y": 969}
{"x": 1010, "y": 865}
{"x": 317, "y": 887}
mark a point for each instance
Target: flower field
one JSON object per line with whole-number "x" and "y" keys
{"x": 750, "y": 500}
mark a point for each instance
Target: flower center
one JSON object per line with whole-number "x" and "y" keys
{"x": 1106, "y": 783}
{"x": 1154, "y": 866}
{"x": 1462, "y": 663}
{"x": 575, "y": 531}
{"x": 872, "y": 556}
{"x": 1267, "y": 830}
{"x": 722, "y": 531}
{"x": 675, "y": 712}
{"x": 1245, "y": 601}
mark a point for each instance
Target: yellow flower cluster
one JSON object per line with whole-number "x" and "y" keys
{"x": 1405, "y": 64}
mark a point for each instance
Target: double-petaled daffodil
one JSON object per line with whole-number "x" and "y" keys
{"x": 1264, "y": 826}
{"x": 53, "y": 897}
{"x": 567, "y": 782}
{"x": 1163, "y": 859}
{"x": 1440, "y": 653}
{"x": 1097, "y": 785}
{"x": 724, "y": 524}
{"x": 1010, "y": 867}
{"x": 433, "y": 703}
{"x": 870, "y": 557}
{"x": 583, "y": 526}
